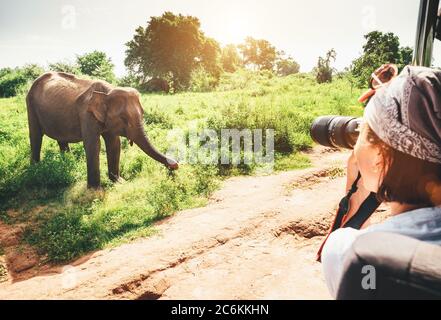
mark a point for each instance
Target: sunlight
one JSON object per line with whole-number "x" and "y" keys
{"x": 236, "y": 28}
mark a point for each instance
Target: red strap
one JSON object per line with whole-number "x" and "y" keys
{"x": 319, "y": 253}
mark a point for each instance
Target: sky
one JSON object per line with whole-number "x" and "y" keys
{"x": 47, "y": 31}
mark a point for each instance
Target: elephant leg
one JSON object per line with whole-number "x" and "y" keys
{"x": 35, "y": 137}
{"x": 113, "y": 150}
{"x": 64, "y": 146}
{"x": 92, "y": 147}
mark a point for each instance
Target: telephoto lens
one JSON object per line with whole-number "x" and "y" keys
{"x": 336, "y": 132}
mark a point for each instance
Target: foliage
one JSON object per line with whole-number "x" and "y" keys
{"x": 64, "y": 66}
{"x": 65, "y": 220}
{"x": 96, "y": 64}
{"x": 286, "y": 66}
{"x": 380, "y": 48}
{"x": 11, "y": 82}
{"x": 155, "y": 85}
{"x": 324, "y": 71}
{"x": 14, "y": 81}
{"x": 210, "y": 59}
{"x": 202, "y": 81}
{"x": 258, "y": 54}
{"x": 129, "y": 81}
{"x": 230, "y": 58}
{"x": 32, "y": 71}
{"x": 5, "y": 72}
{"x": 171, "y": 47}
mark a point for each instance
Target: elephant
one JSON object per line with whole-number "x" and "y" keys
{"x": 156, "y": 85}
{"x": 71, "y": 110}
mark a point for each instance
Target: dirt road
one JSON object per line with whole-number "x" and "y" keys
{"x": 256, "y": 239}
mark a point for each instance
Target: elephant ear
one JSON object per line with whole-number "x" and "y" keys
{"x": 97, "y": 105}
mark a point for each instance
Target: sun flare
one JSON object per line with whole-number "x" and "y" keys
{"x": 237, "y": 28}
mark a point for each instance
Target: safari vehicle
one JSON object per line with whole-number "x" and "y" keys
{"x": 405, "y": 268}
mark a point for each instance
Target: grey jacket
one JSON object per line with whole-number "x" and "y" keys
{"x": 422, "y": 224}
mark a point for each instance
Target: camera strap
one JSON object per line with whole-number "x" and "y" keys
{"x": 367, "y": 208}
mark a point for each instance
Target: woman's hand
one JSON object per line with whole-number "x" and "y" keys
{"x": 361, "y": 194}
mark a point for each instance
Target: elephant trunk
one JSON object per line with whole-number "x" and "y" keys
{"x": 144, "y": 143}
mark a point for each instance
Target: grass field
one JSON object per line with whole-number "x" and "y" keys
{"x": 65, "y": 220}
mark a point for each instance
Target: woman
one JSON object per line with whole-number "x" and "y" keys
{"x": 398, "y": 155}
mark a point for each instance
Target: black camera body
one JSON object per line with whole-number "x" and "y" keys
{"x": 336, "y": 131}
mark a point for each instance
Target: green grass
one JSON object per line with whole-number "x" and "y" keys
{"x": 65, "y": 220}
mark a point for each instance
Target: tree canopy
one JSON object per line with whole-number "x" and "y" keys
{"x": 286, "y": 65}
{"x": 230, "y": 58}
{"x": 96, "y": 64}
{"x": 171, "y": 47}
{"x": 259, "y": 54}
{"x": 380, "y": 48}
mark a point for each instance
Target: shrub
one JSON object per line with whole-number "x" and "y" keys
{"x": 56, "y": 171}
{"x": 66, "y": 235}
{"x": 129, "y": 81}
{"x": 66, "y": 67}
{"x": 202, "y": 81}
{"x": 13, "y": 81}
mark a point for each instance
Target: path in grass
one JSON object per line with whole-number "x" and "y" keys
{"x": 256, "y": 239}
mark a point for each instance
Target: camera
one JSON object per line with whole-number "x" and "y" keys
{"x": 342, "y": 132}
{"x": 336, "y": 131}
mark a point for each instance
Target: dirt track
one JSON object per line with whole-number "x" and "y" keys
{"x": 256, "y": 239}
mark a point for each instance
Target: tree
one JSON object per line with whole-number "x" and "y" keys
{"x": 380, "y": 48}
{"x": 230, "y": 58}
{"x": 406, "y": 56}
{"x": 286, "y": 65}
{"x": 96, "y": 64}
{"x": 171, "y": 47}
{"x": 210, "y": 58}
{"x": 259, "y": 54}
{"x": 324, "y": 71}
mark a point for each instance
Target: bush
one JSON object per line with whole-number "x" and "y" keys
{"x": 202, "y": 81}
{"x": 66, "y": 67}
{"x": 83, "y": 223}
{"x": 13, "y": 81}
{"x": 129, "y": 81}
{"x": 66, "y": 236}
{"x": 32, "y": 71}
{"x": 19, "y": 179}
{"x": 243, "y": 78}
